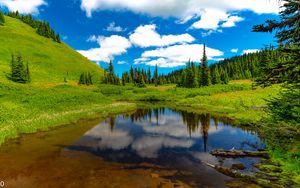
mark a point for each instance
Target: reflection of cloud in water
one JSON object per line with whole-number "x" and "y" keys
{"x": 148, "y": 146}
{"x": 102, "y": 137}
{"x": 173, "y": 126}
{"x": 207, "y": 157}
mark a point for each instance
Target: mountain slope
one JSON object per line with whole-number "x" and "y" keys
{"x": 49, "y": 61}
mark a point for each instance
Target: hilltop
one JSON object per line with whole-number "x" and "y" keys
{"x": 50, "y": 62}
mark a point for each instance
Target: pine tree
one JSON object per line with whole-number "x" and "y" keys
{"x": 2, "y": 19}
{"x": 57, "y": 38}
{"x": 156, "y": 76}
{"x": 149, "y": 76}
{"x": 205, "y": 75}
{"x": 19, "y": 72}
{"x": 216, "y": 78}
{"x": 123, "y": 79}
{"x": 287, "y": 70}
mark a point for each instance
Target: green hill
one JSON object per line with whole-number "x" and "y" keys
{"x": 49, "y": 61}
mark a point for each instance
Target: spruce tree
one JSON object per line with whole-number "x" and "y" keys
{"x": 149, "y": 75}
{"x": 205, "y": 72}
{"x": 287, "y": 106}
{"x": 19, "y": 72}
{"x": 216, "y": 78}
{"x": 156, "y": 76}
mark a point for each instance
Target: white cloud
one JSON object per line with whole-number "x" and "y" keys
{"x": 179, "y": 8}
{"x": 177, "y": 55}
{"x": 232, "y": 20}
{"x": 109, "y": 47}
{"x": 24, "y": 7}
{"x": 212, "y": 12}
{"x": 146, "y": 36}
{"x": 249, "y": 51}
{"x": 210, "y": 19}
{"x": 121, "y": 62}
{"x": 234, "y": 50}
{"x": 114, "y": 28}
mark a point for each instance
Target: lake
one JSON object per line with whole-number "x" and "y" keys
{"x": 147, "y": 148}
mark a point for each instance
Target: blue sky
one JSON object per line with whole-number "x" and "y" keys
{"x": 147, "y": 32}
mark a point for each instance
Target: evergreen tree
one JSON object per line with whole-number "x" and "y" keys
{"x": 156, "y": 76}
{"x": 85, "y": 79}
{"x": 123, "y": 79}
{"x": 2, "y": 19}
{"x": 287, "y": 70}
{"x": 149, "y": 76}
{"x": 205, "y": 74}
{"x": 19, "y": 72}
{"x": 216, "y": 78}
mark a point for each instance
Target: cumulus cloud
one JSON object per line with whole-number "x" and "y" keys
{"x": 232, "y": 20}
{"x": 146, "y": 36}
{"x": 234, "y": 50}
{"x": 177, "y": 55}
{"x": 249, "y": 51}
{"x": 178, "y": 8}
{"x": 24, "y": 7}
{"x": 211, "y": 13}
{"x": 112, "y": 27}
{"x": 109, "y": 47}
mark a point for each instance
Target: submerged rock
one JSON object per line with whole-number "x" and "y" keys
{"x": 238, "y": 166}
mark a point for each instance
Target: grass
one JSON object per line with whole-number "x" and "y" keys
{"x": 236, "y": 100}
{"x": 49, "y": 61}
{"x": 27, "y": 109}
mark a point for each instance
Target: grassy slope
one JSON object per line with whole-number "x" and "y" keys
{"x": 49, "y": 61}
{"x": 47, "y": 101}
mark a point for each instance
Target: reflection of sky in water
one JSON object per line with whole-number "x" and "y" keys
{"x": 161, "y": 135}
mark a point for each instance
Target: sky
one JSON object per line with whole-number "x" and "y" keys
{"x": 145, "y": 33}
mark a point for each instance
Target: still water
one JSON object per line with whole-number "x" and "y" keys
{"x": 148, "y": 148}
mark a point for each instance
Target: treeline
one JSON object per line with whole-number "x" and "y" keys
{"x": 141, "y": 77}
{"x": 194, "y": 76}
{"x": 138, "y": 77}
{"x": 42, "y": 27}
{"x": 246, "y": 66}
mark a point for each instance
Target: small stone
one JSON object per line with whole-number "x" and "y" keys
{"x": 238, "y": 166}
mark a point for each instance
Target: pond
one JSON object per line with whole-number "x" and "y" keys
{"x": 148, "y": 148}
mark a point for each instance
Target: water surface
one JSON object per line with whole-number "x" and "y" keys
{"x": 149, "y": 148}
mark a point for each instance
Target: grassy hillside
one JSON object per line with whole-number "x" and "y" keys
{"x": 49, "y": 61}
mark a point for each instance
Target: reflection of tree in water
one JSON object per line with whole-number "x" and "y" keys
{"x": 146, "y": 114}
{"x": 205, "y": 120}
{"x": 194, "y": 121}
{"x": 112, "y": 123}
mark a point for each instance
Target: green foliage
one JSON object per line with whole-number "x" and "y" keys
{"x": 156, "y": 76}
{"x": 2, "y": 19}
{"x": 85, "y": 79}
{"x": 286, "y": 107}
{"x": 286, "y": 69}
{"x": 216, "y": 78}
{"x": 19, "y": 72}
{"x": 205, "y": 71}
{"x": 110, "y": 77}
